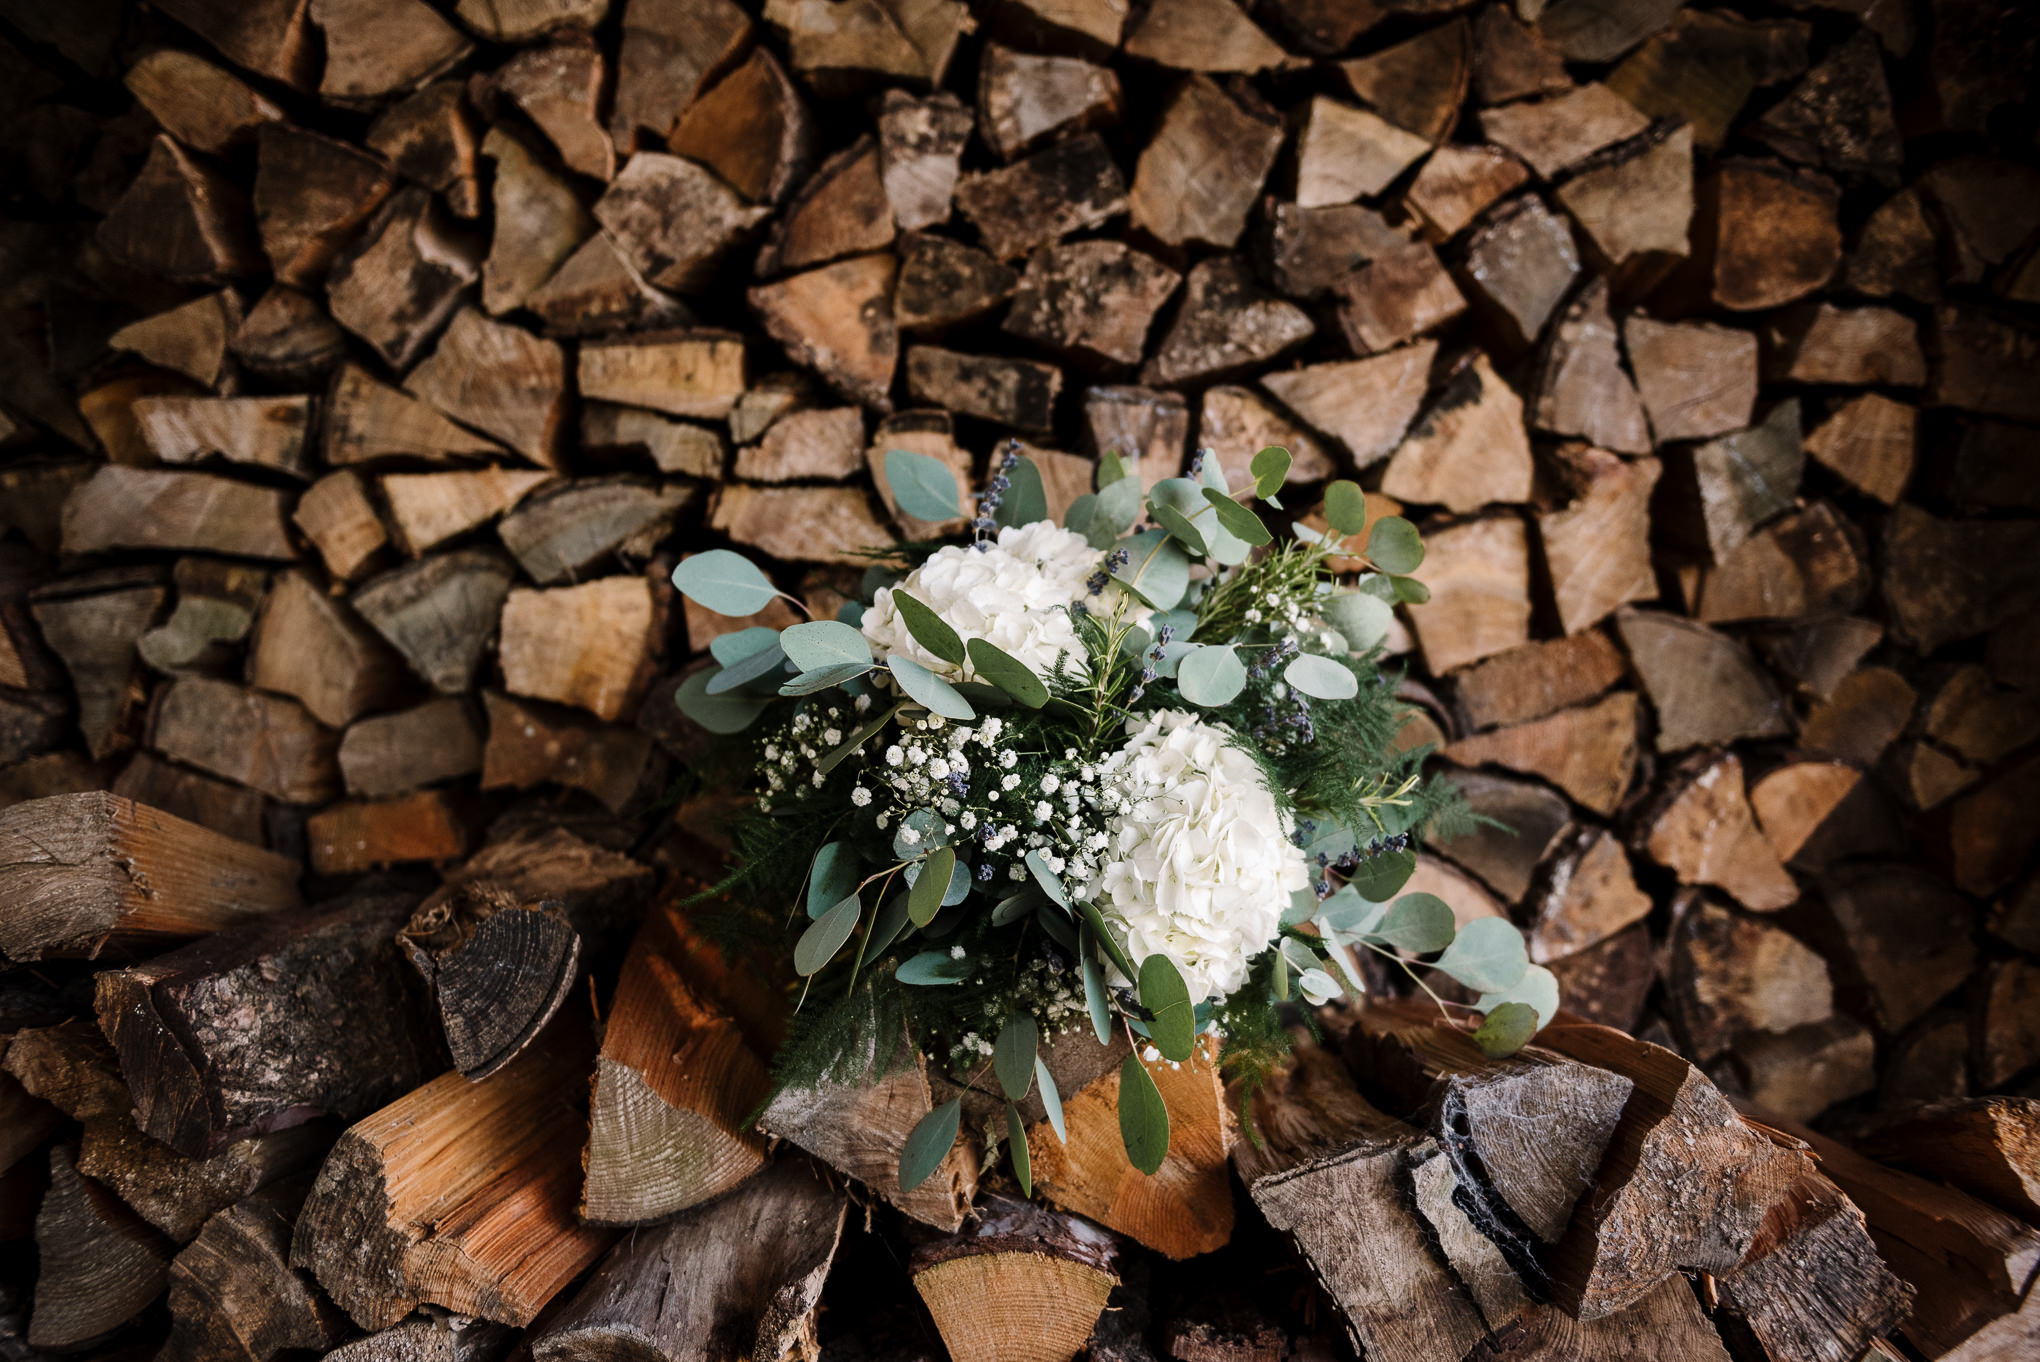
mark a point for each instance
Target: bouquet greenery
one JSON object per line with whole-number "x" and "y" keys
{"x": 1132, "y": 771}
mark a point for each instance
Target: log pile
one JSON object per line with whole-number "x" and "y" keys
{"x": 367, "y": 365}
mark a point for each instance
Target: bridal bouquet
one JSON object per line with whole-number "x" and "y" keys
{"x": 1131, "y": 771}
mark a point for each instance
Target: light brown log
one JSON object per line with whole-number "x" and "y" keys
{"x": 216, "y": 602}
{"x": 1793, "y": 801}
{"x": 357, "y": 835}
{"x": 367, "y": 420}
{"x": 676, "y": 1082}
{"x": 1704, "y": 67}
{"x": 823, "y": 444}
{"x": 267, "y": 432}
{"x": 146, "y": 508}
{"x": 1589, "y": 752}
{"x": 1023, "y": 1283}
{"x": 232, "y": 810}
{"x": 266, "y": 742}
{"x": 1853, "y": 346}
{"x": 838, "y": 321}
{"x": 1582, "y": 388}
{"x": 93, "y": 622}
{"x": 538, "y": 222}
{"x": 1203, "y": 35}
{"x": 1988, "y": 1147}
{"x": 1597, "y": 550}
{"x": 1479, "y": 576}
{"x": 190, "y": 338}
{"x": 1146, "y": 427}
{"x": 1730, "y": 975}
{"x": 1396, "y": 296}
{"x": 1507, "y": 862}
{"x": 427, "y": 509}
{"x": 1417, "y": 84}
{"x": 1522, "y": 264}
{"x": 439, "y": 612}
{"x": 1310, "y": 250}
{"x": 197, "y": 103}
{"x": 1099, "y": 21}
{"x": 698, "y": 373}
{"x": 672, "y": 219}
{"x": 1344, "y": 153}
{"x": 459, "y": 1194}
{"x": 100, "y": 1264}
{"x": 430, "y": 139}
{"x": 559, "y": 87}
{"x": 519, "y": 21}
{"x": 1095, "y": 298}
{"x": 670, "y": 50}
{"x": 1458, "y": 183}
{"x": 673, "y": 446}
{"x": 1024, "y": 99}
{"x": 1704, "y": 833}
{"x": 500, "y": 379}
{"x": 1634, "y": 201}
{"x": 74, "y": 862}
{"x": 391, "y": 754}
{"x": 531, "y": 744}
{"x": 799, "y": 524}
{"x": 1468, "y": 450}
{"x": 944, "y": 283}
{"x": 335, "y": 514}
{"x": 1560, "y": 131}
{"x": 751, "y": 128}
{"x": 497, "y": 966}
{"x": 847, "y": 48}
{"x": 233, "y": 1296}
{"x": 597, "y": 290}
{"x": 1696, "y": 379}
{"x": 920, "y": 142}
{"x": 1065, "y": 187}
{"x": 1204, "y": 167}
{"x": 1366, "y": 404}
{"x": 1009, "y": 392}
{"x": 1805, "y": 565}
{"x": 311, "y": 193}
{"x": 1819, "y": 655}
{"x": 1862, "y": 717}
{"x": 378, "y": 48}
{"x": 1225, "y": 324}
{"x": 1235, "y": 424}
{"x": 1705, "y": 686}
{"x": 1768, "y": 233}
{"x": 311, "y": 646}
{"x": 1586, "y": 896}
{"x": 564, "y": 531}
{"x": 589, "y": 645}
{"x": 406, "y": 274}
{"x": 1510, "y": 60}
{"x": 1535, "y": 679}
{"x": 181, "y": 219}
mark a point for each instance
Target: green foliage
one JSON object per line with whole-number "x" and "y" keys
{"x": 922, "y": 487}
{"x": 725, "y": 582}
{"x": 1143, "y": 1119}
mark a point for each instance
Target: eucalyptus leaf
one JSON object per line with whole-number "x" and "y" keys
{"x": 856, "y": 740}
{"x": 1008, "y": 673}
{"x": 1013, "y": 1052}
{"x": 1410, "y": 591}
{"x": 1118, "y": 508}
{"x": 1330, "y": 839}
{"x": 725, "y": 582}
{"x": 1417, "y": 924}
{"x": 1487, "y": 956}
{"x": 1015, "y": 906}
{"x": 718, "y": 713}
{"x": 1143, "y": 1118}
{"x": 1278, "y": 980}
{"x": 1094, "y": 986}
{"x": 852, "y": 613}
{"x": 1345, "y": 911}
{"x": 928, "y": 689}
{"x": 1183, "y": 623}
{"x": 1179, "y": 527}
{"x": 1211, "y": 674}
{"x": 1024, "y": 501}
{"x": 766, "y": 661}
{"x": 824, "y": 678}
{"x": 824, "y": 643}
{"x": 1379, "y": 877}
{"x": 886, "y": 925}
{"x": 1211, "y": 473}
{"x": 1157, "y": 570}
{"x": 1506, "y": 1030}
{"x": 929, "y": 1143}
{"x": 1538, "y": 989}
{"x": 932, "y": 968}
{"x": 1270, "y": 468}
{"x": 1082, "y": 511}
{"x": 924, "y": 900}
{"x": 928, "y": 833}
{"x": 922, "y": 487}
{"x": 1051, "y": 883}
{"x": 1113, "y": 950}
{"x": 1321, "y": 678}
{"x": 832, "y": 875}
{"x": 1345, "y": 507}
{"x": 929, "y": 629}
{"x": 1055, "y": 922}
{"x": 1239, "y": 522}
{"x": 1317, "y": 987}
{"x": 959, "y": 885}
{"x": 1299, "y": 956}
{"x": 1173, "y": 1024}
{"x": 825, "y": 936}
{"x": 730, "y": 649}
{"x": 1112, "y": 467}
{"x": 1017, "y": 1151}
{"x": 1051, "y": 1099}
{"x": 1394, "y": 545}
{"x": 1363, "y": 620}
{"x": 1303, "y": 906}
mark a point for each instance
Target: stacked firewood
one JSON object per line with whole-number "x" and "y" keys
{"x": 367, "y": 365}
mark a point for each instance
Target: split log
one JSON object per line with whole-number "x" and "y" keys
{"x": 684, "y": 373}
{"x": 1767, "y": 234}
{"x": 497, "y": 969}
{"x": 1344, "y": 153}
{"x": 1022, "y": 1283}
{"x": 190, "y": 339}
{"x": 1095, "y": 298}
{"x": 520, "y": 21}
{"x": 431, "y": 1336}
{"x": 1522, "y": 264}
{"x": 1458, "y": 183}
{"x": 86, "y": 870}
{"x": 670, "y": 50}
{"x": 1235, "y": 424}
{"x": 1398, "y": 295}
{"x": 1704, "y": 67}
{"x": 499, "y": 379}
{"x": 943, "y": 283}
{"x": 429, "y": 138}
{"x": 182, "y": 220}
{"x": 1696, "y": 379}
{"x": 1185, "y": 1207}
{"x": 367, "y": 420}
{"x": 458, "y": 1194}
{"x": 391, "y": 754}
{"x": 1897, "y": 253}
{"x": 1948, "y": 579}
{"x": 1065, "y": 187}
{"x": 746, "y": 1272}
{"x": 427, "y": 509}
{"x": 266, "y": 1025}
{"x": 824, "y": 443}
{"x": 1331, "y": 1171}
{"x": 1597, "y": 550}
{"x": 800, "y": 524}
{"x": 1582, "y": 388}
{"x": 1308, "y": 251}
{"x": 1861, "y": 718}
{"x": 933, "y": 435}
{"x": 838, "y": 321}
{"x": 590, "y": 645}
{"x": 1479, "y": 576}
{"x": 1806, "y": 565}
{"x": 311, "y": 647}
{"x": 311, "y": 194}
{"x": 1907, "y": 935}
{"x": 1685, "y": 1183}
{"x": 1536, "y": 679}
{"x": 1589, "y": 752}
{"x": 1853, "y": 346}
{"x": 1585, "y": 32}
{"x": 1816, "y": 812}
{"x": 1146, "y": 427}
{"x": 1009, "y": 392}
{"x": 920, "y": 142}
{"x": 101, "y": 1264}
{"x": 1802, "y": 1072}
{"x": 1982, "y": 358}
{"x": 94, "y": 632}
{"x": 597, "y": 290}
{"x": 1098, "y": 22}
{"x": 265, "y": 742}
{"x": 216, "y": 603}
{"x": 1704, "y": 833}
{"x": 1730, "y": 975}
{"x": 1558, "y": 132}
{"x": 147, "y": 508}
{"x": 673, "y": 446}
{"x": 856, "y": 1119}
{"x": 268, "y": 432}
{"x": 1704, "y": 686}
{"x": 532, "y": 744}
{"x": 232, "y": 810}
{"x": 378, "y": 48}
{"x": 843, "y": 51}
{"x": 1586, "y": 895}
{"x": 1820, "y": 654}
{"x": 1366, "y": 404}
{"x": 233, "y": 1295}
{"x": 1536, "y": 820}
{"x": 564, "y": 531}
{"x": 1024, "y": 100}
{"x": 1634, "y": 201}
{"x": 197, "y": 103}
{"x": 538, "y": 221}
{"x": 406, "y": 274}
{"x": 1225, "y": 324}
{"x": 1468, "y": 450}
{"x": 1720, "y": 492}
{"x": 1812, "y": 1285}
{"x": 751, "y": 128}
{"x": 357, "y": 835}
{"x": 673, "y": 220}
{"x": 1510, "y": 60}
{"x": 439, "y": 612}
{"x": 269, "y": 37}
{"x": 1417, "y": 84}
{"x": 678, "y": 1078}
{"x": 1202, "y": 171}
{"x": 559, "y": 87}
{"x": 1987, "y": 1147}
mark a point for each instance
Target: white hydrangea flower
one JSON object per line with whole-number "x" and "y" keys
{"x": 1015, "y": 594}
{"x": 1200, "y": 864}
